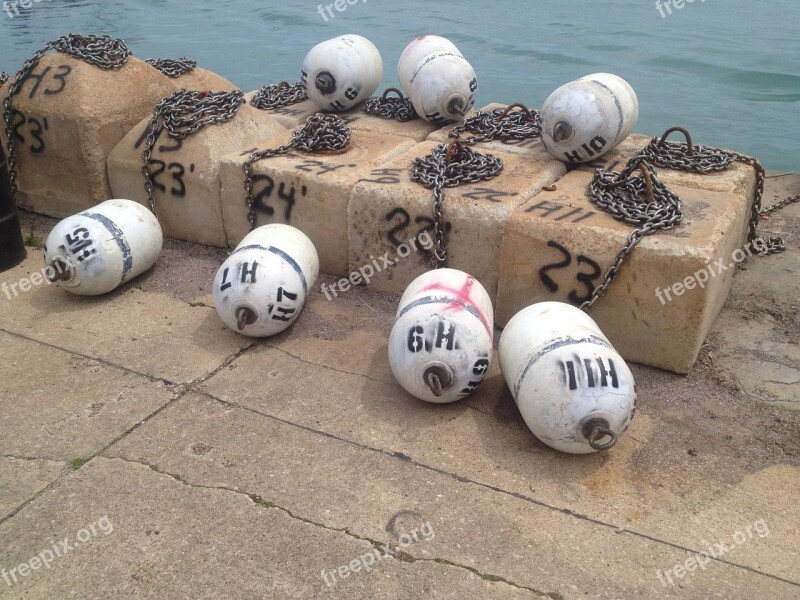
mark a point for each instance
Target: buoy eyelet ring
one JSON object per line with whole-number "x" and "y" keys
{"x": 682, "y": 130}
{"x": 597, "y": 429}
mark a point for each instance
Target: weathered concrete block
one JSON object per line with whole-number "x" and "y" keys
{"x": 558, "y": 246}
{"x": 308, "y": 191}
{"x": 296, "y": 115}
{"x": 68, "y": 116}
{"x": 387, "y": 209}
{"x": 204, "y": 80}
{"x": 186, "y": 172}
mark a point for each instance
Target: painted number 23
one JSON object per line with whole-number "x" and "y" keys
{"x": 586, "y": 279}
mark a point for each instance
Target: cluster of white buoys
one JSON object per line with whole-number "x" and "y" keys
{"x": 573, "y": 389}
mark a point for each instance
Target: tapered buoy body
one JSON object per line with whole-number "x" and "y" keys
{"x": 440, "y": 347}
{"x": 573, "y": 389}
{"x": 99, "y": 249}
{"x": 342, "y": 72}
{"x": 441, "y": 83}
{"x": 587, "y": 118}
{"x": 262, "y": 287}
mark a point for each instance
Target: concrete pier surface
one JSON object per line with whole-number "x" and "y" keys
{"x": 148, "y": 452}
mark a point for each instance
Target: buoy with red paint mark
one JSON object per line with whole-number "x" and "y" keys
{"x": 342, "y": 72}
{"x": 99, "y": 249}
{"x": 573, "y": 389}
{"x": 440, "y": 347}
{"x": 584, "y": 119}
{"x": 262, "y": 287}
{"x": 441, "y": 83}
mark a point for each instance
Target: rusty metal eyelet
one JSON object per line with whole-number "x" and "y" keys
{"x": 682, "y": 130}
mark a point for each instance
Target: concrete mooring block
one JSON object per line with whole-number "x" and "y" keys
{"x": 660, "y": 308}
{"x": 387, "y": 209}
{"x": 186, "y": 173}
{"x": 308, "y": 191}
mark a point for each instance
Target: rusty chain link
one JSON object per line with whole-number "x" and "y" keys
{"x": 181, "y": 114}
{"x": 104, "y": 52}
{"x": 451, "y": 165}
{"x": 173, "y": 67}
{"x": 321, "y": 133}
{"x": 400, "y": 108}
{"x": 279, "y": 95}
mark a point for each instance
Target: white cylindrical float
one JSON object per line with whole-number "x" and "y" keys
{"x": 262, "y": 287}
{"x": 587, "y": 118}
{"x": 442, "y": 84}
{"x": 573, "y": 389}
{"x": 440, "y": 347}
{"x": 342, "y": 72}
{"x": 99, "y": 249}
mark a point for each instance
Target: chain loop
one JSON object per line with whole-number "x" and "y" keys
{"x": 500, "y": 124}
{"x": 279, "y": 95}
{"x": 400, "y": 109}
{"x": 451, "y": 165}
{"x": 321, "y": 133}
{"x": 104, "y": 52}
{"x": 641, "y": 201}
{"x": 181, "y": 114}
{"x": 173, "y": 67}
{"x": 3, "y": 77}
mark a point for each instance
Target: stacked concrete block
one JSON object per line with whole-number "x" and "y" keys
{"x": 659, "y": 310}
{"x": 67, "y": 118}
{"x": 388, "y": 209}
{"x": 186, "y": 173}
{"x": 308, "y": 191}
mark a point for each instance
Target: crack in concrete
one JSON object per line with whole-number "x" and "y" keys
{"x": 460, "y": 478}
{"x": 34, "y": 458}
{"x": 377, "y": 545}
{"x": 315, "y": 364}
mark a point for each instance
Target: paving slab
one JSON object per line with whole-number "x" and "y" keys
{"x": 61, "y": 406}
{"x": 368, "y": 491}
{"x": 149, "y": 333}
{"x": 130, "y": 541}
{"x": 23, "y": 478}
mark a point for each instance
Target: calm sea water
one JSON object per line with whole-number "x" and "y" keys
{"x": 729, "y": 70}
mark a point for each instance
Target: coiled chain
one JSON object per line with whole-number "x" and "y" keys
{"x": 321, "y": 133}
{"x": 279, "y": 95}
{"x": 500, "y": 124}
{"x": 181, "y": 114}
{"x": 649, "y": 205}
{"x": 400, "y": 108}
{"x": 101, "y": 51}
{"x": 3, "y": 77}
{"x": 173, "y": 67}
{"x": 451, "y": 165}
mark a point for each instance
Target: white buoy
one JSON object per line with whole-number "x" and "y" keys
{"x": 587, "y": 118}
{"x": 99, "y": 249}
{"x": 417, "y": 50}
{"x": 442, "y": 84}
{"x": 573, "y": 389}
{"x": 342, "y": 72}
{"x": 262, "y": 287}
{"x": 440, "y": 347}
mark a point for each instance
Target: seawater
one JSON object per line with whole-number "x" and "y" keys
{"x": 728, "y": 70}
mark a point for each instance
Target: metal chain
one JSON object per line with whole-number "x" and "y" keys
{"x": 451, "y": 165}
{"x": 181, "y": 114}
{"x": 173, "y": 67}
{"x": 279, "y": 95}
{"x": 400, "y": 109}
{"x": 500, "y": 124}
{"x": 642, "y": 201}
{"x": 321, "y": 133}
{"x": 104, "y": 52}
{"x": 3, "y": 77}
{"x": 701, "y": 159}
